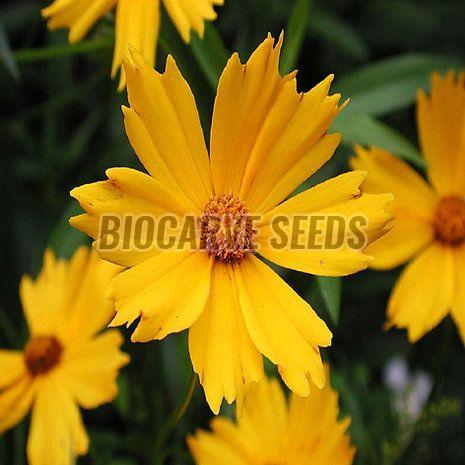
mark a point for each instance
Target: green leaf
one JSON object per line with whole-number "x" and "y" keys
{"x": 331, "y": 291}
{"x": 392, "y": 84}
{"x": 294, "y": 35}
{"x": 6, "y": 55}
{"x": 358, "y": 128}
{"x": 210, "y": 53}
{"x": 351, "y": 396}
{"x": 65, "y": 239}
{"x": 338, "y": 35}
{"x": 64, "y": 50}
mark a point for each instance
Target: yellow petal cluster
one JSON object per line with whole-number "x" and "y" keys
{"x": 429, "y": 230}
{"x": 273, "y": 431}
{"x": 137, "y": 22}
{"x": 68, "y": 362}
{"x": 266, "y": 139}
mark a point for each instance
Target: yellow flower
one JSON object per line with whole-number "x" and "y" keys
{"x": 266, "y": 139}
{"x": 271, "y": 431}
{"x": 137, "y": 22}
{"x": 429, "y": 230}
{"x": 66, "y": 362}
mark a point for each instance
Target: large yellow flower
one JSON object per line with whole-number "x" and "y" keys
{"x": 271, "y": 432}
{"x": 266, "y": 139}
{"x": 137, "y": 22}
{"x": 66, "y": 362}
{"x": 429, "y": 229}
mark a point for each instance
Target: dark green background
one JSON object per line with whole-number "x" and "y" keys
{"x": 61, "y": 126}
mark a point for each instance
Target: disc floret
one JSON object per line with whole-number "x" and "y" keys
{"x": 449, "y": 221}
{"x": 226, "y": 228}
{"x": 42, "y": 354}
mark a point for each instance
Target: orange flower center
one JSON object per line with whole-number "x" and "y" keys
{"x": 42, "y": 353}
{"x": 226, "y": 228}
{"x": 449, "y": 222}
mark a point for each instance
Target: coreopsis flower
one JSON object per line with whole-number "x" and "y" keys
{"x": 266, "y": 139}
{"x": 429, "y": 230}
{"x": 272, "y": 431}
{"x": 66, "y": 362}
{"x": 137, "y": 22}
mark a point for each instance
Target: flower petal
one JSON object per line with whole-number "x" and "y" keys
{"x": 78, "y": 16}
{"x": 149, "y": 155}
{"x": 388, "y": 173}
{"x": 87, "y": 224}
{"x": 221, "y": 350}
{"x": 226, "y": 444}
{"x": 187, "y": 15}
{"x": 138, "y": 24}
{"x": 169, "y": 291}
{"x": 90, "y": 370}
{"x": 333, "y": 441}
{"x": 245, "y": 95}
{"x": 292, "y": 145}
{"x": 441, "y": 127}
{"x": 45, "y": 299}
{"x": 68, "y": 297}
{"x": 282, "y": 325}
{"x": 127, "y": 188}
{"x": 167, "y": 108}
{"x": 413, "y": 207}
{"x": 127, "y": 193}
{"x": 324, "y": 195}
{"x": 424, "y": 293}
{"x": 270, "y": 432}
{"x": 12, "y": 363}
{"x": 89, "y": 311}
{"x": 15, "y": 402}
{"x": 311, "y": 247}
{"x": 267, "y": 138}
{"x": 57, "y": 434}
{"x": 408, "y": 237}
{"x": 458, "y": 304}
{"x": 266, "y": 416}
{"x": 260, "y": 433}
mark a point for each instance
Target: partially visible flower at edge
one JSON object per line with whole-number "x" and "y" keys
{"x": 274, "y": 431}
{"x": 429, "y": 230}
{"x": 137, "y": 22}
{"x": 410, "y": 390}
{"x": 266, "y": 140}
{"x": 66, "y": 362}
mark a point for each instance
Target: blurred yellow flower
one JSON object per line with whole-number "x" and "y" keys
{"x": 429, "y": 230}
{"x": 266, "y": 139}
{"x": 271, "y": 431}
{"x": 137, "y": 22}
{"x": 66, "y": 362}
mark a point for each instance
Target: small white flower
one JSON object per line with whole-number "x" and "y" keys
{"x": 410, "y": 390}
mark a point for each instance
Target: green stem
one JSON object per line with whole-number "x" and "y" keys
{"x": 176, "y": 416}
{"x": 35, "y": 54}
